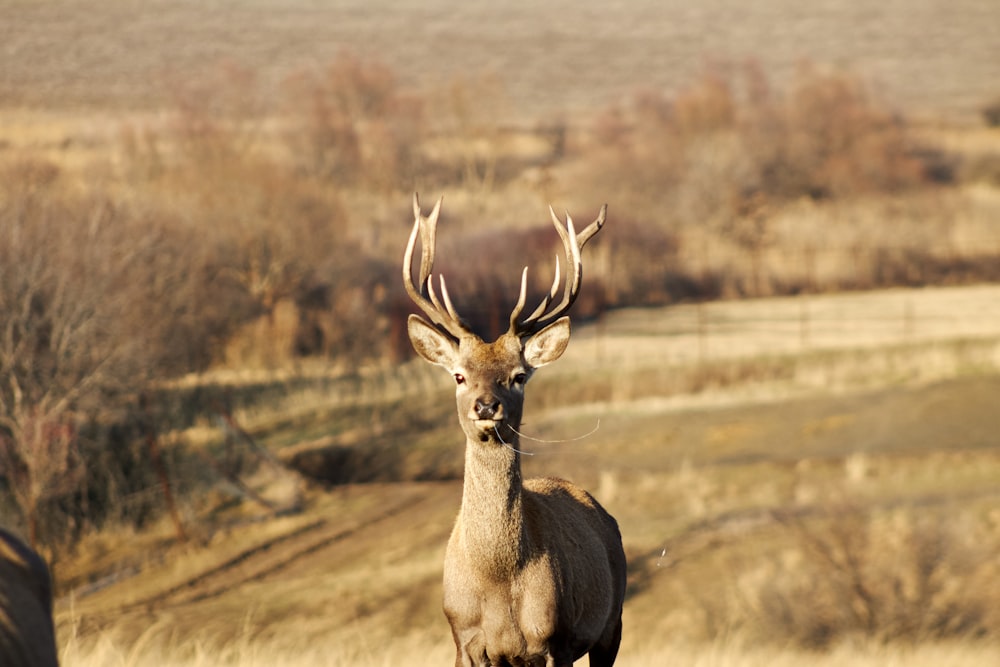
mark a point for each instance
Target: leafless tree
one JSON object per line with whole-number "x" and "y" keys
{"x": 75, "y": 289}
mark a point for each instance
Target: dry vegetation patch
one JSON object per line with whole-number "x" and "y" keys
{"x": 217, "y": 280}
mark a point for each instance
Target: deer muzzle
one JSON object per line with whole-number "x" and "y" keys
{"x": 487, "y": 412}
{"x": 488, "y": 407}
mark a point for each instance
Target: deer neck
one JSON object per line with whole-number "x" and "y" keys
{"x": 492, "y": 519}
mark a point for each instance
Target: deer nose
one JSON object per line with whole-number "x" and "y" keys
{"x": 487, "y": 407}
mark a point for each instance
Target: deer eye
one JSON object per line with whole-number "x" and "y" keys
{"x": 520, "y": 378}
{"x": 459, "y": 378}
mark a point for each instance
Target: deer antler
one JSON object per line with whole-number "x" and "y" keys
{"x": 572, "y": 243}
{"x": 440, "y": 311}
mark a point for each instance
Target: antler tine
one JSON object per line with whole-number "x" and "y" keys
{"x": 522, "y": 297}
{"x": 546, "y": 300}
{"x": 572, "y": 244}
{"x": 593, "y": 227}
{"x": 422, "y": 293}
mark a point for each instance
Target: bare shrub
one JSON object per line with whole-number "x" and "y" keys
{"x": 828, "y": 137}
{"x": 719, "y": 163}
{"x": 271, "y": 232}
{"x": 219, "y": 117}
{"x": 469, "y": 121}
{"x": 87, "y": 315}
{"x": 896, "y": 577}
{"x": 260, "y": 231}
{"x": 637, "y": 153}
{"x": 347, "y": 308}
{"x": 266, "y": 239}
{"x": 353, "y": 125}
{"x": 707, "y": 106}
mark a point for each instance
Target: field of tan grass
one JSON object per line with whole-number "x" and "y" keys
{"x": 808, "y": 478}
{"x": 713, "y": 485}
{"x": 558, "y": 57}
{"x": 248, "y": 653}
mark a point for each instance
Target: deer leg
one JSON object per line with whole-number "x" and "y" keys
{"x": 559, "y": 659}
{"x": 603, "y": 653}
{"x": 462, "y": 656}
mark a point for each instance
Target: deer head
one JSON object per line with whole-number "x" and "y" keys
{"x": 490, "y": 377}
{"x": 534, "y": 571}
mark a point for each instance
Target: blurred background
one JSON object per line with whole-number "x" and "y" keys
{"x": 788, "y": 337}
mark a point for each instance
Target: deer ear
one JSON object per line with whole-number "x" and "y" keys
{"x": 430, "y": 343}
{"x": 548, "y": 344}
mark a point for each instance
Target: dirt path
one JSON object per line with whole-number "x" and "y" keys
{"x": 324, "y": 540}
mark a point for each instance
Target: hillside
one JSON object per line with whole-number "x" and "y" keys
{"x": 785, "y": 366}
{"x": 709, "y": 481}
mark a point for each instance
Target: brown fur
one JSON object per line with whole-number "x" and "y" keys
{"x": 534, "y": 571}
{"x": 27, "y": 638}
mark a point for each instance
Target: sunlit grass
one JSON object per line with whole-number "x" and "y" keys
{"x": 246, "y": 651}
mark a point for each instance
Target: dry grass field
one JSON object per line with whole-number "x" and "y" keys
{"x": 807, "y": 478}
{"x": 874, "y": 439}
{"x": 558, "y": 57}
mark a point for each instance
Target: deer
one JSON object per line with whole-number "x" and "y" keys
{"x": 27, "y": 636}
{"x": 534, "y": 570}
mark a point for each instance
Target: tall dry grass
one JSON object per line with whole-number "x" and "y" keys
{"x": 250, "y": 652}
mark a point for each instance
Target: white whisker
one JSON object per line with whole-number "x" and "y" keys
{"x": 552, "y": 442}
{"x": 508, "y": 445}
